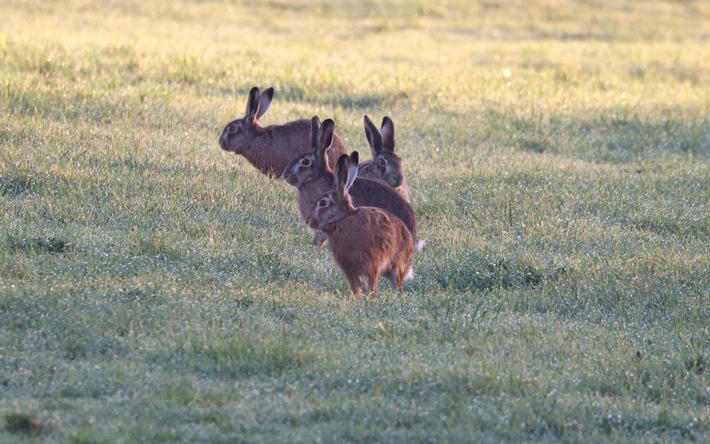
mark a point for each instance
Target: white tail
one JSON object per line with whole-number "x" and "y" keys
{"x": 420, "y": 245}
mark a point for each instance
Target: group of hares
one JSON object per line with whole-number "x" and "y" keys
{"x": 360, "y": 208}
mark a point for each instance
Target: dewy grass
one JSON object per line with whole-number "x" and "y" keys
{"x": 155, "y": 288}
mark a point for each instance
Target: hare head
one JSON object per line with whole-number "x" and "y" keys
{"x": 337, "y": 204}
{"x": 311, "y": 165}
{"x": 386, "y": 166}
{"x": 238, "y": 133}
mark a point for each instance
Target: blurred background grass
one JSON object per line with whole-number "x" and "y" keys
{"x": 153, "y": 287}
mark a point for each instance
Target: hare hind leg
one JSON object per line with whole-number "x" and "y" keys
{"x": 399, "y": 274}
{"x": 393, "y": 276}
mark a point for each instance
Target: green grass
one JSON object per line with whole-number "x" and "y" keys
{"x": 154, "y": 288}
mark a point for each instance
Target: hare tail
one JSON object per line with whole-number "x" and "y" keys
{"x": 419, "y": 245}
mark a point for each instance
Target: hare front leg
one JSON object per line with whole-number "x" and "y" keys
{"x": 355, "y": 284}
{"x": 372, "y": 278}
{"x": 319, "y": 238}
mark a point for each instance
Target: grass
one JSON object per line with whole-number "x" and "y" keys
{"x": 154, "y": 288}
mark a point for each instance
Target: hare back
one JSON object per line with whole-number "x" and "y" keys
{"x": 364, "y": 193}
{"x": 275, "y": 146}
{"x": 371, "y": 241}
{"x": 299, "y": 139}
{"x": 371, "y": 193}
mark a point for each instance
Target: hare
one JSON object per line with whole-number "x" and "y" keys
{"x": 385, "y": 165}
{"x": 311, "y": 174}
{"x": 365, "y": 241}
{"x": 270, "y": 148}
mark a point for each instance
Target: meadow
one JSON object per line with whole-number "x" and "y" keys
{"x": 154, "y": 288}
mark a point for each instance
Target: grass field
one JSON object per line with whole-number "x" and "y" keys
{"x": 154, "y": 288}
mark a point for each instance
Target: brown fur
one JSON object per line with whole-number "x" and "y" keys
{"x": 365, "y": 241}
{"x": 270, "y": 148}
{"x": 385, "y": 166}
{"x": 316, "y": 178}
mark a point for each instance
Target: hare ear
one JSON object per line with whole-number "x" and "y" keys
{"x": 326, "y": 135}
{"x": 325, "y": 140}
{"x": 315, "y": 128}
{"x": 373, "y": 137}
{"x": 252, "y": 107}
{"x": 387, "y": 132}
{"x": 353, "y": 162}
{"x": 341, "y": 175}
{"x": 265, "y": 101}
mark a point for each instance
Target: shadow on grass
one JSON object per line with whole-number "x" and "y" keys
{"x": 337, "y": 96}
{"x": 24, "y": 424}
{"x": 40, "y": 245}
{"x": 14, "y": 186}
{"x": 18, "y": 183}
{"x": 609, "y": 136}
{"x": 240, "y": 356}
{"x": 470, "y": 273}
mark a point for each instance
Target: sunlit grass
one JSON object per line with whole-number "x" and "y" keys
{"x": 155, "y": 288}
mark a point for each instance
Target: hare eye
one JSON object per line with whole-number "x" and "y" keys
{"x": 306, "y": 162}
{"x": 323, "y": 203}
{"x": 232, "y": 128}
{"x": 382, "y": 162}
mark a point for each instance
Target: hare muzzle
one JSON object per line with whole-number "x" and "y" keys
{"x": 291, "y": 175}
{"x": 394, "y": 180}
{"x": 289, "y": 178}
{"x": 223, "y": 141}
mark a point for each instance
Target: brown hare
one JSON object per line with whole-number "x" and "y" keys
{"x": 385, "y": 165}
{"x": 313, "y": 177}
{"x": 365, "y": 241}
{"x": 270, "y": 148}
